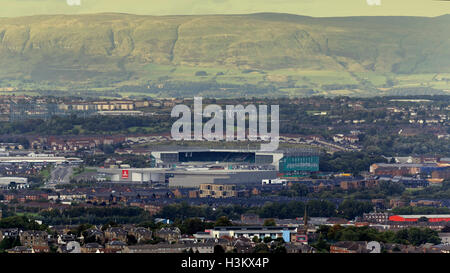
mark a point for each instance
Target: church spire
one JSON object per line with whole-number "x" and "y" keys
{"x": 305, "y": 218}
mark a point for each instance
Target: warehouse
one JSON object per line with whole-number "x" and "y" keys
{"x": 415, "y": 218}
{"x": 13, "y": 183}
{"x": 38, "y": 159}
{"x": 254, "y": 231}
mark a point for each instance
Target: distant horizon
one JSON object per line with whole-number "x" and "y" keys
{"x": 311, "y": 8}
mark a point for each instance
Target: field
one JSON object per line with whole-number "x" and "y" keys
{"x": 224, "y": 55}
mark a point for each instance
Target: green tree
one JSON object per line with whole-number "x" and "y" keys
{"x": 269, "y": 223}
{"x": 417, "y": 236}
{"x": 279, "y": 249}
{"x": 9, "y": 242}
{"x": 193, "y": 225}
{"x": 321, "y": 244}
{"x": 261, "y": 248}
{"x": 349, "y": 209}
{"x": 300, "y": 189}
{"x": 223, "y": 221}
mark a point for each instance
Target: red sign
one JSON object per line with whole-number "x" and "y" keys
{"x": 125, "y": 174}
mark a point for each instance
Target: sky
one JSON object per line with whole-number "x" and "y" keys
{"x": 316, "y": 8}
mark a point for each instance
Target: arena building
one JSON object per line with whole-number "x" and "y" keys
{"x": 289, "y": 161}
{"x": 192, "y": 167}
{"x": 188, "y": 178}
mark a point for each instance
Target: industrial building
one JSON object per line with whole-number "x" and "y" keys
{"x": 37, "y": 158}
{"x": 415, "y": 218}
{"x": 13, "y": 183}
{"x": 274, "y": 182}
{"x": 254, "y": 231}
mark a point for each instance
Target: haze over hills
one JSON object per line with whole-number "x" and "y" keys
{"x": 285, "y": 51}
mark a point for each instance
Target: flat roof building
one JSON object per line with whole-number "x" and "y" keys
{"x": 13, "y": 182}
{"x": 254, "y": 231}
{"x": 37, "y": 158}
{"x": 415, "y": 218}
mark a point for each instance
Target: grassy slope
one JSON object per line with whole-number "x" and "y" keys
{"x": 109, "y": 50}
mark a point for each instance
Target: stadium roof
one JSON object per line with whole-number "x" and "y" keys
{"x": 299, "y": 151}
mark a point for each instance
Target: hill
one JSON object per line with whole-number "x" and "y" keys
{"x": 290, "y": 53}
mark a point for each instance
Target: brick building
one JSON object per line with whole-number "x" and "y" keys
{"x": 217, "y": 191}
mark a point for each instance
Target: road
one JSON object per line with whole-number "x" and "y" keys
{"x": 59, "y": 175}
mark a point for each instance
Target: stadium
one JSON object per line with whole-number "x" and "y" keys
{"x": 193, "y": 167}
{"x": 286, "y": 162}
